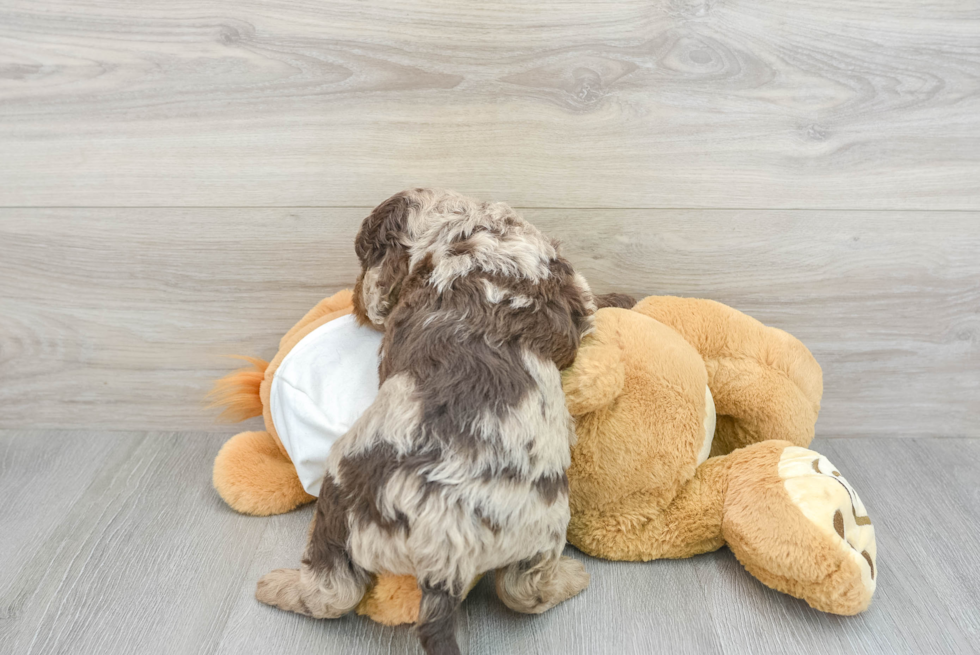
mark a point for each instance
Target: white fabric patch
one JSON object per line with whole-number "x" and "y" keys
{"x": 323, "y": 385}
{"x": 709, "y": 426}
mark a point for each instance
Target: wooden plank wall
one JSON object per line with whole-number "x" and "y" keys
{"x": 183, "y": 179}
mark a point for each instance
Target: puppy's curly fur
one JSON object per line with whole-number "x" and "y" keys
{"x": 458, "y": 467}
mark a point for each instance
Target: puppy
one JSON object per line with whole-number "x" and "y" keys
{"x": 458, "y": 467}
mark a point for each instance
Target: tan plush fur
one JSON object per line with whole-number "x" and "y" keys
{"x": 636, "y": 491}
{"x": 766, "y": 384}
{"x": 393, "y": 600}
{"x": 253, "y": 476}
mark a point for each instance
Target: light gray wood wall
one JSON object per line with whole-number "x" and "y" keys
{"x": 181, "y": 179}
{"x": 117, "y": 318}
{"x": 566, "y": 103}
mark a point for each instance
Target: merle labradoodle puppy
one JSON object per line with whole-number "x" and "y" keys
{"x": 458, "y": 467}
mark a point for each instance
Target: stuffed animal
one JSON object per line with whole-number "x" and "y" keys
{"x": 693, "y": 422}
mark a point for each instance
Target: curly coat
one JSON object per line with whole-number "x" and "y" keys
{"x": 458, "y": 467}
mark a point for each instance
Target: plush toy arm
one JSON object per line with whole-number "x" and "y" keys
{"x": 596, "y": 378}
{"x": 766, "y": 384}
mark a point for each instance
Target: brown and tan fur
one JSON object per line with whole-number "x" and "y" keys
{"x": 458, "y": 467}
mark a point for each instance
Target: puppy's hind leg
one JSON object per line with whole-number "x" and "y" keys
{"x": 539, "y": 583}
{"x": 329, "y": 584}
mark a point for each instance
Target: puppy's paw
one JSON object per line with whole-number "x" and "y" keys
{"x": 572, "y": 576}
{"x": 568, "y": 579}
{"x": 280, "y": 588}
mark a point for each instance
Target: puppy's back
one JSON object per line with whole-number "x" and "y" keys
{"x": 459, "y": 465}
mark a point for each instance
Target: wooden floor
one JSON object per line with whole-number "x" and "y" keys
{"x": 116, "y": 543}
{"x": 180, "y": 180}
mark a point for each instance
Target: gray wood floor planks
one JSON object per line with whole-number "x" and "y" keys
{"x": 147, "y": 558}
{"x": 143, "y": 557}
{"x": 688, "y": 103}
{"x": 41, "y": 482}
{"x": 117, "y": 318}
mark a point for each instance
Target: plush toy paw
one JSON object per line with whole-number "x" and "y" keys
{"x": 796, "y": 524}
{"x": 822, "y": 494}
{"x": 253, "y": 476}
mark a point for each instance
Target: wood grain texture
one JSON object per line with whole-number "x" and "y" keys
{"x": 40, "y": 482}
{"x": 117, "y": 319}
{"x": 143, "y": 557}
{"x": 675, "y": 103}
{"x": 146, "y": 558}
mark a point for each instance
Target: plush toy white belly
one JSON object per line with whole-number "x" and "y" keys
{"x": 321, "y": 387}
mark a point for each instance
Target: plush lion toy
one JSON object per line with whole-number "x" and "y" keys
{"x": 693, "y": 422}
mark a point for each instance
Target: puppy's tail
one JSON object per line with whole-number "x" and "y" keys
{"x": 437, "y": 620}
{"x": 238, "y": 392}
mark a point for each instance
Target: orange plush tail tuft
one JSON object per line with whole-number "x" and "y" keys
{"x": 238, "y": 392}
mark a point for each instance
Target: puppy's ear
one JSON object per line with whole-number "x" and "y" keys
{"x": 596, "y": 378}
{"x": 567, "y": 314}
{"x": 381, "y": 245}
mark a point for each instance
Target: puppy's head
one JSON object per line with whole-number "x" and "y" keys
{"x": 382, "y": 245}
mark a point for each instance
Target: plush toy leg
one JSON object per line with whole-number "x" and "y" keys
{"x": 786, "y": 513}
{"x": 394, "y": 599}
{"x": 796, "y": 524}
{"x": 253, "y": 476}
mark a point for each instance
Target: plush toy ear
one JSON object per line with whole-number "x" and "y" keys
{"x": 596, "y": 378}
